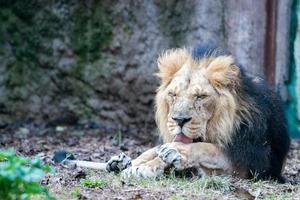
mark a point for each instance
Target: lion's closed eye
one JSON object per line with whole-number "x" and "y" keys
{"x": 172, "y": 96}
{"x": 201, "y": 96}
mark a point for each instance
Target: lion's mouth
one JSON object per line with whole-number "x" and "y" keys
{"x": 185, "y": 139}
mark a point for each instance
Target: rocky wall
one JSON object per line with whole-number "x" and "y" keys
{"x": 94, "y": 60}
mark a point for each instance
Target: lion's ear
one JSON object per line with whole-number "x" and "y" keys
{"x": 222, "y": 72}
{"x": 170, "y": 62}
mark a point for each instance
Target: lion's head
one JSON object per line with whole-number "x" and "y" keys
{"x": 198, "y": 97}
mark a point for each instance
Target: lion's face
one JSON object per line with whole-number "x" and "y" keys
{"x": 191, "y": 101}
{"x": 197, "y": 98}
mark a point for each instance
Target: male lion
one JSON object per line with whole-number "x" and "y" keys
{"x": 215, "y": 118}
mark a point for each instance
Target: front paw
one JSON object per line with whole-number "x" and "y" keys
{"x": 170, "y": 155}
{"x": 118, "y": 163}
{"x": 142, "y": 171}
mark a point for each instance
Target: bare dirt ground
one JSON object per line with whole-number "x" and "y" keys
{"x": 95, "y": 143}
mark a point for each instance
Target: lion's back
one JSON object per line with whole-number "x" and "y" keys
{"x": 261, "y": 148}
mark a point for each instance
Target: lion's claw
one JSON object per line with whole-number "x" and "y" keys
{"x": 170, "y": 155}
{"x": 118, "y": 163}
{"x": 142, "y": 171}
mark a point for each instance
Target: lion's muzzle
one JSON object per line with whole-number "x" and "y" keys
{"x": 181, "y": 120}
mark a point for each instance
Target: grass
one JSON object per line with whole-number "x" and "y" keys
{"x": 209, "y": 187}
{"x": 93, "y": 183}
{"x": 76, "y": 191}
{"x": 180, "y": 188}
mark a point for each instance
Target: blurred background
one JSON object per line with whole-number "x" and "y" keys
{"x": 92, "y": 62}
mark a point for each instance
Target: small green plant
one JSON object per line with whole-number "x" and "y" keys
{"x": 176, "y": 197}
{"x": 76, "y": 191}
{"x": 20, "y": 177}
{"x": 93, "y": 183}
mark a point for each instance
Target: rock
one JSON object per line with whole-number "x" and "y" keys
{"x": 79, "y": 173}
{"x": 96, "y": 59}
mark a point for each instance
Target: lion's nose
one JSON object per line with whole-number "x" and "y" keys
{"x": 181, "y": 120}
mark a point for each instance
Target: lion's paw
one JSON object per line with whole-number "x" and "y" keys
{"x": 118, "y": 163}
{"x": 142, "y": 171}
{"x": 170, "y": 155}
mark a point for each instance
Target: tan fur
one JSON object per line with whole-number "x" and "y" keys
{"x": 169, "y": 63}
{"x": 145, "y": 157}
{"x": 147, "y": 165}
{"x": 223, "y": 72}
{"x": 205, "y": 156}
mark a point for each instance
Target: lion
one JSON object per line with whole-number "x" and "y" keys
{"x": 215, "y": 118}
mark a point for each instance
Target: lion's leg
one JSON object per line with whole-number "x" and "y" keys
{"x": 146, "y": 165}
{"x": 145, "y": 157}
{"x": 204, "y": 156}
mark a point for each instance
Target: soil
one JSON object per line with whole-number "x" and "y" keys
{"x": 98, "y": 144}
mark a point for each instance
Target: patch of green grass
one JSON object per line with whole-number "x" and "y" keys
{"x": 176, "y": 188}
{"x": 93, "y": 183}
{"x": 177, "y": 197}
{"x": 276, "y": 196}
{"x": 76, "y": 191}
{"x": 205, "y": 186}
{"x": 215, "y": 183}
{"x": 208, "y": 187}
{"x": 273, "y": 197}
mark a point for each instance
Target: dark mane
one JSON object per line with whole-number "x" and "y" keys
{"x": 261, "y": 148}
{"x": 201, "y": 51}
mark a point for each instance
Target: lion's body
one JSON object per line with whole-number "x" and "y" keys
{"x": 215, "y": 118}
{"x": 262, "y": 147}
